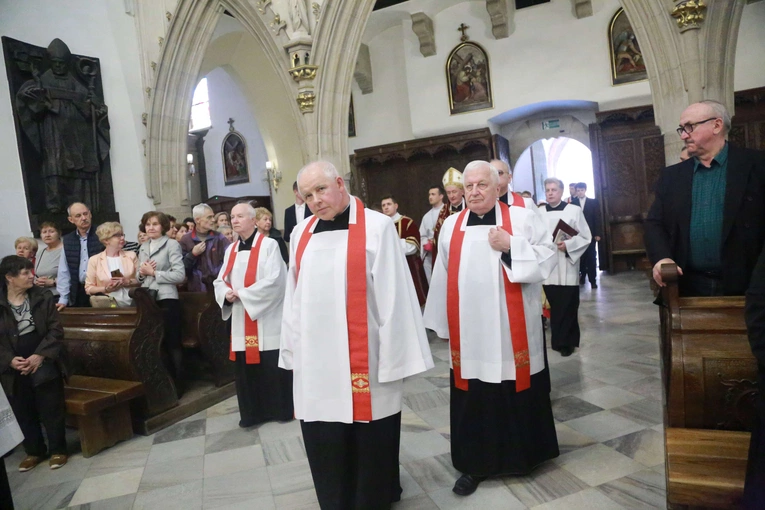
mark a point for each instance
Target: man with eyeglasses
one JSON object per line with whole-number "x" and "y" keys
{"x": 708, "y": 216}
{"x": 79, "y": 246}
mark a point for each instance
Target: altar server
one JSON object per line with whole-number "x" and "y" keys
{"x": 409, "y": 236}
{"x": 561, "y": 287}
{"x": 352, "y": 331}
{"x": 250, "y": 291}
{"x": 485, "y": 296}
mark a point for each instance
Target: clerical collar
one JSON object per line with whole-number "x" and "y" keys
{"x": 396, "y": 217}
{"x": 246, "y": 244}
{"x": 558, "y": 207}
{"x": 340, "y": 222}
{"x": 504, "y": 198}
{"x": 490, "y": 218}
{"x": 457, "y": 208}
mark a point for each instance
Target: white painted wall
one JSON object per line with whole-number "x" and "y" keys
{"x": 750, "y": 69}
{"x": 227, "y": 101}
{"x": 391, "y": 121}
{"x": 98, "y": 29}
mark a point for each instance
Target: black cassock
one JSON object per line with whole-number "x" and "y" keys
{"x": 496, "y": 430}
{"x": 263, "y": 390}
{"x": 754, "y": 489}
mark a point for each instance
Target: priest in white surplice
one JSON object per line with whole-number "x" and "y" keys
{"x": 352, "y": 331}
{"x": 250, "y": 290}
{"x": 562, "y": 286}
{"x": 485, "y": 296}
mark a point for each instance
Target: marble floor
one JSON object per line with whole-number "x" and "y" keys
{"x": 606, "y": 401}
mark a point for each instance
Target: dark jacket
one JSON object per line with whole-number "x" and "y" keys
{"x": 591, "y": 215}
{"x": 668, "y": 224}
{"x": 208, "y": 263}
{"x": 43, "y": 307}
{"x": 290, "y": 220}
{"x": 71, "y": 243}
{"x": 276, "y": 236}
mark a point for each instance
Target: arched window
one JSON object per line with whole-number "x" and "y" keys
{"x": 200, "y": 108}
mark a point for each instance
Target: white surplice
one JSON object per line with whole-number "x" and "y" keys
{"x": 486, "y": 351}
{"x": 567, "y": 272}
{"x": 427, "y": 225}
{"x": 262, "y": 301}
{"x": 314, "y": 342}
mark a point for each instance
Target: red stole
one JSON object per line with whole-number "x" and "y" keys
{"x": 513, "y": 299}
{"x": 251, "y": 344}
{"x": 356, "y": 308}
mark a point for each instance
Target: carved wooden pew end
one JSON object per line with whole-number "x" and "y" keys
{"x": 101, "y": 409}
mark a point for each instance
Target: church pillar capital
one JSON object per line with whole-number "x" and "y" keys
{"x": 689, "y": 14}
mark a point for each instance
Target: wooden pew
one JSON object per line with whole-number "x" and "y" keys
{"x": 125, "y": 344}
{"x": 709, "y": 377}
{"x": 204, "y": 329}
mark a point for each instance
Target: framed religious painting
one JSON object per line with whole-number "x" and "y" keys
{"x": 468, "y": 79}
{"x": 627, "y": 63}
{"x": 234, "y": 151}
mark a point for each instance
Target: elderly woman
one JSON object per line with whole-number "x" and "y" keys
{"x": 222, "y": 219}
{"x": 264, "y": 220}
{"x": 33, "y": 361}
{"x": 26, "y": 247}
{"x": 46, "y": 263}
{"x": 112, "y": 271}
{"x": 227, "y": 232}
{"x": 183, "y": 229}
{"x": 161, "y": 270}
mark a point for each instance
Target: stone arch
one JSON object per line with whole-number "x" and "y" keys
{"x": 177, "y": 74}
{"x": 320, "y": 134}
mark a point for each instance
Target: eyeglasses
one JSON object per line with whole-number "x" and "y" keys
{"x": 688, "y": 128}
{"x": 118, "y": 235}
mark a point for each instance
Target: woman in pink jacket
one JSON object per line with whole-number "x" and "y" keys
{"x": 112, "y": 271}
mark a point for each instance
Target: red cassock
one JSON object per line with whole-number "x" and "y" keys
{"x": 409, "y": 231}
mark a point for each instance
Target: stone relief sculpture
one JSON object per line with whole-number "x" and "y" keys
{"x": 62, "y": 127}
{"x": 299, "y": 18}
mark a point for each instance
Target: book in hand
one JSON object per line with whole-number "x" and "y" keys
{"x": 563, "y": 232}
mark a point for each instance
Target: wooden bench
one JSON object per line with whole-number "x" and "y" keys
{"x": 123, "y": 344}
{"x": 709, "y": 376}
{"x": 204, "y": 329}
{"x": 101, "y": 410}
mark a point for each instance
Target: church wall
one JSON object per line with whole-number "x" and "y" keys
{"x": 98, "y": 29}
{"x": 389, "y": 101}
{"x": 550, "y": 56}
{"x": 227, "y": 101}
{"x": 750, "y": 65}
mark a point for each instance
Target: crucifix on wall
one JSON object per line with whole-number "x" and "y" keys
{"x": 463, "y": 28}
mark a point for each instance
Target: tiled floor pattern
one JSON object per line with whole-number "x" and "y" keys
{"x": 606, "y": 401}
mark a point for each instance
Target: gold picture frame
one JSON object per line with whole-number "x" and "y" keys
{"x": 627, "y": 62}
{"x": 468, "y": 79}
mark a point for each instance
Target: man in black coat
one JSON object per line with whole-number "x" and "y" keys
{"x": 754, "y": 488}
{"x": 591, "y": 209}
{"x": 294, "y": 214}
{"x": 708, "y": 216}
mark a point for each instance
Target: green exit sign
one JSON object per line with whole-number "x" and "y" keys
{"x": 551, "y": 124}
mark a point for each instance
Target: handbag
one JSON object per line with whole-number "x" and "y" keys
{"x": 47, "y": 371}
{"x": 103, "y": 302}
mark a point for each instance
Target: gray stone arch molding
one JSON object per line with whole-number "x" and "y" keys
{"x": 177, "y": 74}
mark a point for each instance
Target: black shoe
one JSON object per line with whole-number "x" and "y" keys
{"x": 466, "y": 484}
{"x": 594, "y": 285}
{"x": 566, "y": 351}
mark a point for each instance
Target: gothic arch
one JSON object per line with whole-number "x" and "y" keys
{"x": 320, "y": 134}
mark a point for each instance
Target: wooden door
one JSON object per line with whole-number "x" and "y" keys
{"x": 628, "y": 154}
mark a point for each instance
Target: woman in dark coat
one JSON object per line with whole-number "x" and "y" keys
{"x": 33, "y": 360}
{"x": 754, "y": 489}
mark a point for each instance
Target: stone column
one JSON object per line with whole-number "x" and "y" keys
{"x": 689, "y": 50}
